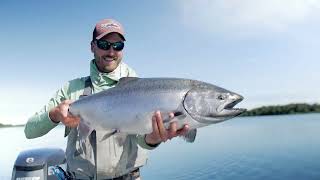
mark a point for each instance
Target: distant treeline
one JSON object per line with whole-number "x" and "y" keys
{"x": 2, "y": 125}
{"x": 284, "y": 109}
{"x": 9, "y": 125}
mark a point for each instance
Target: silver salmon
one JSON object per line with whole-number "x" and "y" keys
{"x": 129, "y": 106}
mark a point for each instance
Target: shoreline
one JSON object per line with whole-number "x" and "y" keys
{"x": 10, "y": 125}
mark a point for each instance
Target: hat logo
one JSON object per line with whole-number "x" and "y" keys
{"x": 110, "y": 25}
{"x": 30, "y": 160}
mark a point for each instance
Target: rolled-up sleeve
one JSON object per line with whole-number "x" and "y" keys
{"x": 142, "y": 143}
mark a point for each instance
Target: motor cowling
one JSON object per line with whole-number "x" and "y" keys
{"x": 38, "y": 164}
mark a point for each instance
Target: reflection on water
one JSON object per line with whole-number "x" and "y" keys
{"x": 270, "y": 147}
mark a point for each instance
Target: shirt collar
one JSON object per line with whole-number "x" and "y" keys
{"x": 101, "y": 78}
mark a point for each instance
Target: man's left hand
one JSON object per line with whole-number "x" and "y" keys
{"x": 160, "y": 133}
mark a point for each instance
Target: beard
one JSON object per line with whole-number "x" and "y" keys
{"x": 107, "y": 64}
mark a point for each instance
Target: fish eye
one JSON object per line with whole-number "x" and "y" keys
{"x": 221, "y": 97}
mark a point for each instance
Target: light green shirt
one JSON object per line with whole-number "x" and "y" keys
{"x": 116, "y": 155}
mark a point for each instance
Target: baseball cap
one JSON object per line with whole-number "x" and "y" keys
{"x": 107, "y": 26}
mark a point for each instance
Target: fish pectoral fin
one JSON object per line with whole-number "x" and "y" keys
{"x": 190, "y": 136}
{"x": 84, "y": 130}
{"x": 106, "y": 136}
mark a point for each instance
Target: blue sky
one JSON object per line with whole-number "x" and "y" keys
{"x": 266, "y": 50}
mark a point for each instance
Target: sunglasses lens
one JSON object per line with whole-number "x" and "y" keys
{"x": 105, "y": 45}
{"x": 118, "y": 46}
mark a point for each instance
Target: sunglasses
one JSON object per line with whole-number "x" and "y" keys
{"x": 105, "y": 45}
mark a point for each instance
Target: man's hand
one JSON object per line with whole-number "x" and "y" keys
{"x": 160, "y": 133}
{"x": 60, "y": 114}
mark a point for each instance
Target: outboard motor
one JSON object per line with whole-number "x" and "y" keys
{"x": 38, "y": 164}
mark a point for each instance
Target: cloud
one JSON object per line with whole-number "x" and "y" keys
{"x": 249, "y": 16}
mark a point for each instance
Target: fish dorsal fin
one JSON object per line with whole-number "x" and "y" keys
{"x": 126, "y": 80}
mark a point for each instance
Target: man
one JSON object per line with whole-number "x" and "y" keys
{"x": 97, "y": 157}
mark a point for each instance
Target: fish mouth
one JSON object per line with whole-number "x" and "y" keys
{"x": 228, "y": 110}
{"x": 230, "y": 107}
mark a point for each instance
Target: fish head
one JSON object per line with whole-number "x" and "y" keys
{"x": 212, "y": 104}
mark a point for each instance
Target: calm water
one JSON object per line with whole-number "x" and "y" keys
{"x": 271, "y": 147}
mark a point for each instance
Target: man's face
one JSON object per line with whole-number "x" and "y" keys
{"x": 107, "y": 60}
